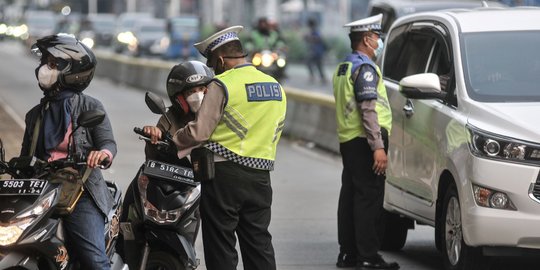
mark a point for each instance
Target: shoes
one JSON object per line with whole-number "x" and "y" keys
{"x": 376, "y": 263}
{"x": 345, "y": 260}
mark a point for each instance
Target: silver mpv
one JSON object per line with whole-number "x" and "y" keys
{"x": 464, "y": 154}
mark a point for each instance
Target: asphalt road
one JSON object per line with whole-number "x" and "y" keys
{"x": 306, "y": 181}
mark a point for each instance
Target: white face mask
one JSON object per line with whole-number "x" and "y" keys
{"x": 47, "y": 77}
{"x": 194, "y": 101}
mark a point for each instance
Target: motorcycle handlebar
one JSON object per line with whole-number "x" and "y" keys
{"x": 145, "y": 137}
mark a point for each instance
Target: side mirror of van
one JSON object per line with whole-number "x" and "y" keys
{"x": 421, "y": 86}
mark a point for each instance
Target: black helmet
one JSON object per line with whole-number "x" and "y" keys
{"x": 185, "y": 76}
{"x": 75, "y": 61}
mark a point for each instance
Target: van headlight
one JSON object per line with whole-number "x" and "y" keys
{"x": 494, "y": 146}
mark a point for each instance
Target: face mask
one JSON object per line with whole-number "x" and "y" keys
{"x": 380, "y": 47}
{"x": 46, "y": 76}
{"x": 194, "y": 101}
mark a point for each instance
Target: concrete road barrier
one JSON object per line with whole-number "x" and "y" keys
{"x": 310, "y": 116}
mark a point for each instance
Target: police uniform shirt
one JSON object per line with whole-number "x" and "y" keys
{"x": 365, "y": 80}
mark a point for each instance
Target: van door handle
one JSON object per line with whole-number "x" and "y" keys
{"x": 408, "y": 108}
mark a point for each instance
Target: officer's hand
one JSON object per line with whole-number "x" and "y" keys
{"x": 153, "y": 132}
{"x": 380, "y": 162}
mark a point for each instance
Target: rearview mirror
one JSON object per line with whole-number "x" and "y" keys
{"x": 154, "y": 103}
{"x": 90, "y": 118}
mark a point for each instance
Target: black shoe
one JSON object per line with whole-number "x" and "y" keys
{"x": 376, "y": 263}
{"x": 345, "y": 260}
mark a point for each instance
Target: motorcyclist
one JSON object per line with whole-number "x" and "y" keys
{"x": 264, "y": 37}
{"x": 66, "y": 68}
{"x": 186, "y": 86}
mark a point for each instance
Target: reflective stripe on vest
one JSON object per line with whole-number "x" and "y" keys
{"x": 349, "y": 122}
{"x": 253, "y": 118}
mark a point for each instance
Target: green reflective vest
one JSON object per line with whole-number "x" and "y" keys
{"x": 349, "y": 121}
{"x": 253, "y": 118}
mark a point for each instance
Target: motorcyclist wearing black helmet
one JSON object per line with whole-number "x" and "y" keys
{"x": 66, "y": 68}
{"x": 186, "y": 86}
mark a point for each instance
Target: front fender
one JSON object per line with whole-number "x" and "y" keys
{"x": 176, "y": 242}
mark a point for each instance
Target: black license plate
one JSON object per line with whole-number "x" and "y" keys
{"x": 22, "y": 186}
{"x": 169, "y": 171}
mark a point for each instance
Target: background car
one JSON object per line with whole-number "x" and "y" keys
{"x": 147, "y": 38}
{"x": 124, "y": 28}
{"x": 39, "y": 23}
{"x": 99, "y": 27}
{"x": 182, "y": 33}
{"x": 464, "y": 153}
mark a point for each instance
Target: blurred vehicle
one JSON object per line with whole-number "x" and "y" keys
{"x": 271, "y": 62}
{"x": 147, "y": 36}
{"x": 69, "y": 24}
{"x": 124, "y": 28}
{"x": 37, "y": 24}
{"x": 182, "y": 32}
{"x": 393, "y": 9}
{"x": 98, "y": 29}
{"x": 464, "y": 153}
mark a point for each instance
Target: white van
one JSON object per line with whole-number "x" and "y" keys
{"x": 464, "y": 152}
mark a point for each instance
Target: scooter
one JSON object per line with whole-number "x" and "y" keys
{"x": 31, "y": 230}
{"x": 163, "y": 221}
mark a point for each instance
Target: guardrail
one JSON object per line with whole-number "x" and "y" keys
{"x": 310, "y": 116}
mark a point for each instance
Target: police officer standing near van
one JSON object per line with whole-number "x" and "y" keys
{"x": 364, "y": 121}
{"x": 240, "y": 119}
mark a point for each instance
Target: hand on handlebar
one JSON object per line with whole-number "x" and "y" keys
{"x": 97, "y": 159}
{"x": 153, "y": 132}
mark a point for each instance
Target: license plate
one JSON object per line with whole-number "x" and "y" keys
{"x": 22, "y": 186}
{"x": 169, "y": 171}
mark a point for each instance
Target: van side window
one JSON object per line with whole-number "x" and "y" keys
{"x": 408, "y": 53}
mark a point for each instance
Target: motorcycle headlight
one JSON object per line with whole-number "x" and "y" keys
{"x": 267, "y": 60}
{"x": 10, "y": 233}
{"x": 256, "y": 61}
{"x": 281, "y": 62}
{"x": 165, "y": 216}
{"x": 498, "y": 147}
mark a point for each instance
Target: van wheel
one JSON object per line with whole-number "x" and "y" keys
{"x": 159, "y": 260}
{"x": 395, "y": 232}
{"x": 456, "y": 254}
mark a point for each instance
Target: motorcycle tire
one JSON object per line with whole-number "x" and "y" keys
{"x": 160, "y": 260}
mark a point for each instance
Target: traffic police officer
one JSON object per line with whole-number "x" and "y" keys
{"x": 364, "y": 121}
{"x": 241, "y": 119}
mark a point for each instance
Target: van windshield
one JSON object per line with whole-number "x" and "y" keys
{"x": 502, "y": 66}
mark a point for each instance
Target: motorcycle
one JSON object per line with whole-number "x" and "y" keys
{"x": 31, "y": 230}
{"x": 271, "y": 62}
{"x": 163, "y": 221}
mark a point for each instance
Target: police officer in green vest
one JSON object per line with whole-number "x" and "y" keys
{"x": 240, "y": 121}
{"x": 364, "y": 121}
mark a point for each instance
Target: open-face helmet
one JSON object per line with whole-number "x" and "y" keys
{"x": 185, "y": 76}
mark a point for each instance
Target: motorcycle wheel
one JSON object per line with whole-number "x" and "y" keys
{"x": 160, "y": 260}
